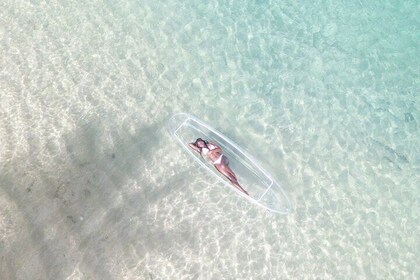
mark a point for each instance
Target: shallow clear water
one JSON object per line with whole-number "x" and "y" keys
{"x": 325, "y": 94}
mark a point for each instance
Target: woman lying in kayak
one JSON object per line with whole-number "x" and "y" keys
{"x": 221, "y": 163}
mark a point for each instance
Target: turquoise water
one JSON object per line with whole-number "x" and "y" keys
{"x": 324, "y": 94}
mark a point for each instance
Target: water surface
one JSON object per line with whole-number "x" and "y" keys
{"x": 324, "y": 94}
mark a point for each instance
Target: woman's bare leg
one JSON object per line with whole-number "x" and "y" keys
{"x": 228, "y": 173}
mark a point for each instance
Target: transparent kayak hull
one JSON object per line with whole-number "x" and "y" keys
{"x": 262, "y": 188}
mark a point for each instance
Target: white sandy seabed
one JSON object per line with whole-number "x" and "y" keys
{"x": 324, "y": 94}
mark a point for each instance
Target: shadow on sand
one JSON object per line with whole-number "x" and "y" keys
{"x": 88, "y": 205}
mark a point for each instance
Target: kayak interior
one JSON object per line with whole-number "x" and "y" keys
{"x": 262, "y": 188}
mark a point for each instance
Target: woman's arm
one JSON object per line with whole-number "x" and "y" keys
{"x": 215, "y": 151}
{"x": 194, "y": 147}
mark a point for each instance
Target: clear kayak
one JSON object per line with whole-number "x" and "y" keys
{"x": 262, "y": 188}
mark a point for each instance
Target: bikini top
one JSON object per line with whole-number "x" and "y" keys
{"x": 205, "y": 150}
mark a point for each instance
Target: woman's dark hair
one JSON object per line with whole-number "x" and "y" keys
{"x": 199, "y": 139}
{"x": 204, "y": 141}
